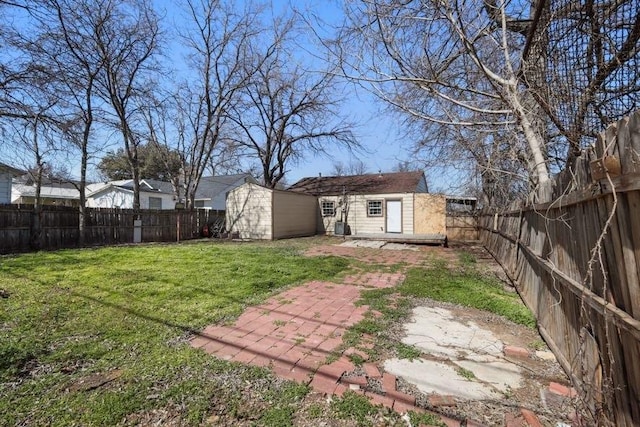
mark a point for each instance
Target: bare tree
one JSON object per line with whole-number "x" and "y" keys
{"x": 219, "y": 37}
{"x": 354, "y": 167}
{"x": 126, "y": 36}
{"x": 286, "y": 110}
{"x": 63, "y": 50}
{"x": 34, "y": 145}
{"x": 459, "y": 65}
{"x": 439, "y": 64}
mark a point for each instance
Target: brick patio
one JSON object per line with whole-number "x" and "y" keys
{"x": 294, "y": 332}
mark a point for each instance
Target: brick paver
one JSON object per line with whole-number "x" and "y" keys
{"x": 298, "y": 328}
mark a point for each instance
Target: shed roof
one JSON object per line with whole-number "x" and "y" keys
{"x": 377, "y": 183}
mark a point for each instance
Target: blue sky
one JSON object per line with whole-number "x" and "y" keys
{"x": 378, "y": 132}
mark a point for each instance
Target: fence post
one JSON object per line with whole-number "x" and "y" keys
{"x": 137, "y": 230}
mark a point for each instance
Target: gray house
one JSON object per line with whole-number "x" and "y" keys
{"x": 6, "y": 178}
{"x": 212, "y": 191}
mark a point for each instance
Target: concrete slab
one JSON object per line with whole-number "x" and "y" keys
{"x": 546, "y": 355}
{"x": 400, "y": 247}
{"x": 436, "y": 331}
{"x": 438, "y": 377}
{"x": 371, "y": 244}
{"x": 498, "y": 373}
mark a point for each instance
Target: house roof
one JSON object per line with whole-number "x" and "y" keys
{"x": 146, "y": 186}
{"x": 47, "y": 191}
{"x": 208, "y": 187}
{"x": 4, "y": 168}
{"x": 211, "y": 186}
{"x": 379, "y": 183}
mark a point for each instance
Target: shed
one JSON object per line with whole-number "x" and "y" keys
{"x": 257, "y": 212}
{"x": 7, "y": 173}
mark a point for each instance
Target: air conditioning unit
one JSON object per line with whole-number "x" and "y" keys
{"x": 341, "y": 229}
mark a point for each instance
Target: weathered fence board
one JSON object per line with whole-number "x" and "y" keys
{"x": 59, "y": 226}
{"x": 461, "y": 226}
{"x": 576, "y": 264}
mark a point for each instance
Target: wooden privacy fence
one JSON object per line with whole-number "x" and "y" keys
{"x": 576, "y": 264}
{"x": 462, "y": 226}
{"x": 59, "y": 226}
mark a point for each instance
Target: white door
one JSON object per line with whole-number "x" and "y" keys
{"x": 394, "y": 216}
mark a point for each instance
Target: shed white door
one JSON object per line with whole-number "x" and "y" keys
{"x": 394, "y": 216}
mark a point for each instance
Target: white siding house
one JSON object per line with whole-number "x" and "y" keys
{"x": 6, "y": 178}
{"x": 368, "y": 213}
{"x": 365, "y": 204}
{"x": 256, "y": 212}
{"x": 119, "y": 194}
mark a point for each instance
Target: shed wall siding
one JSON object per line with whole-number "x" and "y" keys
{"x": 249, "y": 212}
{"x": 294, "y": 215}
{"x": 5, "y": 188}
{"x": 430, "y": 214}
{"x": 356, "y": 213}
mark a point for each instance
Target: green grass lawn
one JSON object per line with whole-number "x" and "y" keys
{"x": 126, "y": 311}
{"x": 99, "y": 336}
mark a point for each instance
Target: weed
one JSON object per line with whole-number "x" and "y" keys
{"x": 277, "y": 417}
{"x": 315, "y": 411}
{"x": 279, "y": 323}
{"x": 465, "y": 373}
{"x": 355, "y": 407}
{"x": 425, "y": 419}
{"x": 299, "y": 340}
{"x": 405, "y": 351}
{"x": 356, "y": 359}
{"x": 467, "y": 259}
{"x": 368, "y": 326}
{"x": 508, "y": 393}
{"x": 537, "y": 345}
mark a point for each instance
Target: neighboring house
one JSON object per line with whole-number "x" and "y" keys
{"x": 210, "y": 194}
{"x": 119, "y": 194}
{"x": 59, "y": 194}
{"x": 366, "y": 204}
{"x": 360, "y": 204}
{"x": 7, "y": 173}
{"x": 212, "y": 190}
{"x": 256, "y": 212}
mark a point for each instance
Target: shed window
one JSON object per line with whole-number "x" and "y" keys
{"x": 374, "y": 208}
{"x": 199, "y": 204}
{"x": 328, "y": 208}
{"x": 155, "y": 202}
